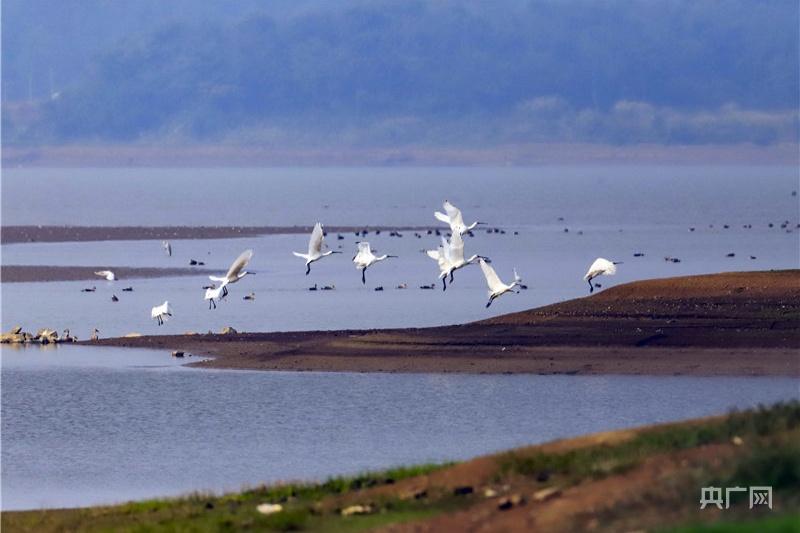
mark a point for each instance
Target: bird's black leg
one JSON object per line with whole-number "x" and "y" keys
{"x": 444, "y": 283}
{"x": 451, "y": 276}
{"x": 489, "y": 302}
{"x": 591, "y": 287}
{"x": 308, "y": 269}
{"x": 224, "y": 291}
{"x": 364, "y": 275}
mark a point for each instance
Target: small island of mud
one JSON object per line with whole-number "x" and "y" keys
{"x": 739, "y": 323}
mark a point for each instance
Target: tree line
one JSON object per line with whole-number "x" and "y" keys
{"x": 682, "y": 71}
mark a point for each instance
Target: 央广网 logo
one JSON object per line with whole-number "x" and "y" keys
{"x": 713, "y": 495}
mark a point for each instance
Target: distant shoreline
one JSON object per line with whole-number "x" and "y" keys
{"x": 23, "y": 234}
{"x": 527, "y": 154}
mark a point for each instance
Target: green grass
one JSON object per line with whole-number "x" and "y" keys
{"x": 602, "y": 460}
{"x": 777, "y": 524}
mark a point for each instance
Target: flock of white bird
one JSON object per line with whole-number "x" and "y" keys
{"x": 449, "y": 256}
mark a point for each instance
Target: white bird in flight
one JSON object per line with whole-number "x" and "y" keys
{"x": 452, "y": 216}
{"x": 161, "y": 312}
{"x": 496, "y": 287}
{"x": 211, "y": 293}
{"x": 364, "y": 258}
{"x": 315, "y": 248}
{"x": 599, "y": 267}
{"x": 456, "y": 254}
{"x": 235, "y": 273}
{"x": 109, "y": 275}
{"x": 442, "y": 257}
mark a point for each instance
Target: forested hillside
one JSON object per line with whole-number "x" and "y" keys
{"x": 389, "y": 72}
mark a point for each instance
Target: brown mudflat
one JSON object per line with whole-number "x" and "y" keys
{"x": 739, "y": 323}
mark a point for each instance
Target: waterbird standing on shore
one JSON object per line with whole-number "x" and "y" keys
{"x": 364, "y": 258}
{"x": 109, "y": 275}
{"x": 161, "y": 312}
{"x": 599, "y": 267}
{"x": 452, "y": 216}
{"x": 496, "y": 287}
{"x": 315, "y": 248}
{"x": 235, "y": 273}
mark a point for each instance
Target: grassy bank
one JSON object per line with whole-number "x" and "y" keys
{"x": 643, "y": 479}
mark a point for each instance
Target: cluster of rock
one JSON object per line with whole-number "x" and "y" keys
{"x": 43, "y": 336}
{"x": 503, "y": 497}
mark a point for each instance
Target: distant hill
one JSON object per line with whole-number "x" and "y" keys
{"x": 389, "y": 72}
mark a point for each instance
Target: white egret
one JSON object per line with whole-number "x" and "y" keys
{"x": 95, "y": 334}
{"x": 364, "y": 258}
{"x": 456, "y": 254}
{"x": 109, "y": 275}
{"x": 496, "y": 287}
{"x": 235, "y": 273}
{"x": 452, "y": 216}
{"x": 167, "y": 248}
{"x": 442, "y": 257}
{"x": 161, "y": 312}
{"x": 599, "y": 267}
{"x": 315, "y": 248}
{"x": 211, "y": 293}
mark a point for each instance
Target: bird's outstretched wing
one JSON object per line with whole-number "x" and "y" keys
{"x": 315, "y": 242}
{"x": 363, "y": 252}
{"x": 600, "y": 266}
{"x": 453, "y": 213}
{"x": 239, "y": 264}
{"x": 441, "y": 216}
{"x": 456, "y": 248}
{"x": 491, "y": 276}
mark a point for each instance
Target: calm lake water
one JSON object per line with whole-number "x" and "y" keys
{"x": 85, "y": 426}
{"x": 82, "y": 426}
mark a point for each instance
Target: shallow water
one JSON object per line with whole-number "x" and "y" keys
{"x": 556, "y": 221}
{"x": 84, "y": 426}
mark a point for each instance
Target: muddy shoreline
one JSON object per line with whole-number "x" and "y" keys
{"x": 23, "y": 234}
{"x": 737, "y": 323}
{"x": 734, "y": 324}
